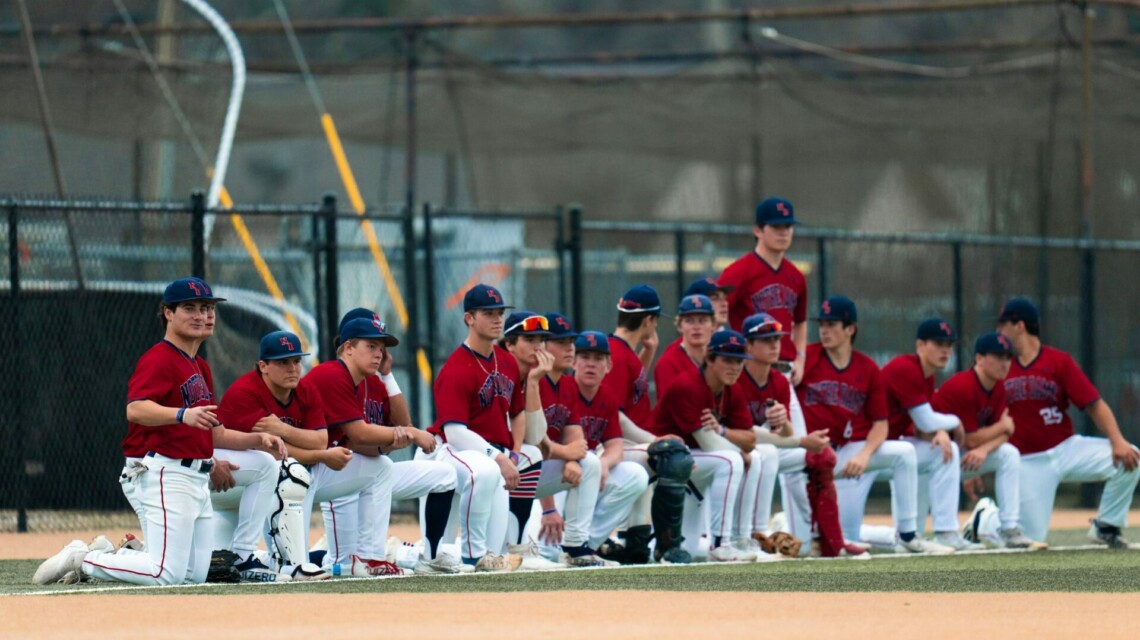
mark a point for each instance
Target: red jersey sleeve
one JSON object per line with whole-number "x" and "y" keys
{"x": 876, "y": 407}
{"x": 242, "y": 407}
{"x": 905, "y": 384}
{"x": 799, "y": 314}
{"x": 954, "y": 397}
{"x": 1076, "y": 384}
{"x": 682, "y": 410}
{"x": 452, "y": 394}
{"x": 312, "y": 409}
{"x": 739, "y": 417}
{"x": 340, "y": 398}
{"x": 151, "y": 379}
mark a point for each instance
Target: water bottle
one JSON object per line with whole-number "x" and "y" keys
{"x": 336, "y": 569}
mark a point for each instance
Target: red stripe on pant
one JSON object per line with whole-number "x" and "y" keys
{"x": 165, "y": 528}
{"x": 471, "y": 488}
{"x": 727, "y": 489}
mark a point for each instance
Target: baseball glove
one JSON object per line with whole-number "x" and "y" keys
{"x": 222, "y": 567}
{"x": 780, "y": 542}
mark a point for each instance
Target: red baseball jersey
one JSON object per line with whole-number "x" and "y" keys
{"x": 248, "y": 400}
{"x": 376, "y": 403}
{"x": 673, "y": 362}
{"x": 964, "y": 396}
{"x": 779, "y": 292}
{"x": 170, "y": 377}
{"x": 756, "y": 396}
{"x": 1038, "y": 396}
{"x": 907, "y": 388}
{"x": 628, "y": 381}
{"x": 341, "y": 397}
{"x": 480, "y": 393}
{"x": 846, "y": 402}
{"x": 599, "y": 417}
{"x": 559, "y": 404}
{"x": 679, "y": 410}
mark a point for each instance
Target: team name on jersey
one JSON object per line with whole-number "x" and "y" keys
{"x": 557, "y": 416}
{"x": 758, "y": 408}
{"x": 594, "y": 428}
{"x": 289, "y": 421}
{"x": 640, "y": 387}
{"x": 496, "y": 385}
{"x": 836, "y": 394}
{"x": 985, "y": 417}
{"x": 774, "y": 296}
{"x": 1031, "y": 388}
{"x": 373, "y": 411}
{"x": 195, "y": 390}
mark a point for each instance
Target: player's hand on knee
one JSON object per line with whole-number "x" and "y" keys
{"x": 337, "y": 458}
{"x": 1125, "y": 454}
{"x": 942, "y": 439}
{"x": 571, "y": 473}
{"x": 221, "y": 476}
{"x": 973, "y": 460}
{"x": 605, "y": 476}
{"x": 552, "y": 528}
{"x": 272, "y": 445}
{"x": 815, "y": 441}
{"x": 201, "y": 417}
{"x": 424, "y": 440}
{"x": 575, "y": 449}
{"x": 855, "y": 467}
{"x": 509, "y": 470}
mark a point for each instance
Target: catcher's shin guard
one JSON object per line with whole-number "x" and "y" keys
{"x": 286, "y": 524}
{"x": 672, "y": 461}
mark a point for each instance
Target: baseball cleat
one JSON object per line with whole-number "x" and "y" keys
{"x": 731, "y": 553}
{"x": 69, "y": 559}
{"x": 853, "y": 552}
{"x": 955, "y": 541}
{"x": 254, "y": 570}
{"x": 363, "y": 567}
{"x": 444, "y": 563}
{"x": 74, "y": 577}
{"x": 676, "y": 555}
{"x": 612, "y": 550}
{"x": 101, "y": 543}
{"x": 532, "y": 560}
{"x": 1107, "y": 534}
{"x": 309, "y": 571}
{"x": 129, "y": 541}
{"x": 588, "y": 560}
{"x": 918, "y": 544}
{"x": 1015, "y": 539}
{"x": 495, "y": 563}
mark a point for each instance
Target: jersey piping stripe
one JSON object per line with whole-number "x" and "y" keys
{"x": 165, "y": 529}
{"x": 471, "y": 490}
{"x": 727, "y": 489}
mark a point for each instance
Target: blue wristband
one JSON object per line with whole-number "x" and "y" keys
{"x": 549, "y": 511}
{"x": 181, "y": 411}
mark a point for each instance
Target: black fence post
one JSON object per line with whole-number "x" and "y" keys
{"x": 576, "y": 276}
{"x": 1090, "y": 492}
{"x": 332, "y": 277}
{"x": 679, "y": 256}
{"x": 560, "y": 256}
{"x": 198, "y": 234}
{"x": 21, "y": 468}
{"x": 411, "y": 300}
{"x": 316, "y": 245}
{"x": 824, "y": 285}
{"x": 959, "y": 312}
{"x": 429, "y": 299}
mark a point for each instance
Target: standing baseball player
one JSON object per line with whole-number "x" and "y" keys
{"x": 695, "y": 324}
{"x": 478, "y": 392}
{"x": 633, "y": 345}
{"x": 569, "y": 468}
{"x": 842, "y": 391}
{"x": 269, "y": 400}
{"x": 909, "y": 382}
{"x": 704, "y": 409}
{"x": 977, "y": 398}
{"x": 768, "y": 395}
{"x": 765, "y": 281}
{"x": 624, "y": 482}
{"x": 170, "y": 401}
{"x": 718, "y": 293}
{"x": 1042, "y": 383}
{"x": 433, "y": 482}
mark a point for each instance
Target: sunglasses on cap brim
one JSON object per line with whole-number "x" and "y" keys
{"x": 768, "y": 328}
{"x": 532, "y": 323}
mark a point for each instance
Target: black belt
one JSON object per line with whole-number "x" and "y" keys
{"x": 206, "y": 465}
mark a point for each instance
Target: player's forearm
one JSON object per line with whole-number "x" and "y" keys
{"x": 799, "y": 338}
{"x": 534, "y": 425}
{"x": 927, "y": 420}
{"x": 875, "y": 438}
{"x": 364, "y": 434}
{"x": 306, "y": 456}
{"x": 305, "y": 438}
{"x": 989, "y": 446}
{"x": 235, "y": 440}
{"x": 630, "y": 431}
{"x": 1105, "y": 420}
{"x": 461, "y": 438}
{"x": 764, "y": 436}
{"x": 149, "y": 413}
{"x": 985, "y": 435}
{"x": 612, "y": 453}
{"x": 743, "y": 439}
{"x": 712, "y": 441}
{"x": 398, "y": 410}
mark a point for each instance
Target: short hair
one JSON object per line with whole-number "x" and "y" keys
{"x": 508, "y": 340}
{"x": 631, "y": 321}
{"x": 162, "y": 307}
{"x": 1032, "y": 327}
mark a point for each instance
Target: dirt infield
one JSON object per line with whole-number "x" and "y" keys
{"x": 15, "y": 546}
{"x": 531, "y": 615}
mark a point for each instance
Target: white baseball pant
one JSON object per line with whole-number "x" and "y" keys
{"x": 176, "y": 501}
{"x": 1005, "y": 463}
{"x": 626, "y": 483}
{"x": 581, "y": 500}
{"x": 128, "y": 482}
{"x": 1077, "y": 459}
{"x": 480, "y": 505}
{"x": 718, "y": 476}
{"x": 754, "y": 504}
{"x": 894, "y": 455}
{"x": 939, "y": 484}
{"x": 328, "y": 484}
{"x": 241, "y": 511}
{"x": 793, "y": 483}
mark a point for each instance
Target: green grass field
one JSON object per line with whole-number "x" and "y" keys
{"x": 1076, "y": 571}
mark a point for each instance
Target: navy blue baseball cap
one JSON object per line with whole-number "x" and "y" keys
{"x": 641, "y": 298}
{"x": 279, "y": 345}
{"x": 367, "y": 329}
{"x": 706, "y": 287}
{"x": 839, "y": 308}
{"x": 1019, "y": 310}
{"x": 775, "y": 211}
{"x": 483, "y": 296}
{"x": 729, "y": 344}
{"x": 936, "y": 329}
{"x": 696, "y": 304}
{"x": 762, "y": 325}
{"x": 187, "y": 289}
{"x": 560, "y": 327}
{"x": 526, "y": 323}
{"x": 360, "y": 312}
{"x": 994, "y": 343}
{"x": 592, "y": 341}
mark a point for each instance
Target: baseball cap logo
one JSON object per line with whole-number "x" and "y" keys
{"x": 1004, "y": 341}
{"x": 628, "y": 304}
{"x": 286, "y": 343}
{"x": 562, "y": 323}
{"x": 946, "y": 329}
{"x": 196, "y": 288}
{"x": 783, "y": 209}
{"x": 494, "y": 295}
{"x": 696, "y": 302}
{"x": 826, "y": 306}
{"x": 592, "y": 340}
{"x": 733, "y": 340}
